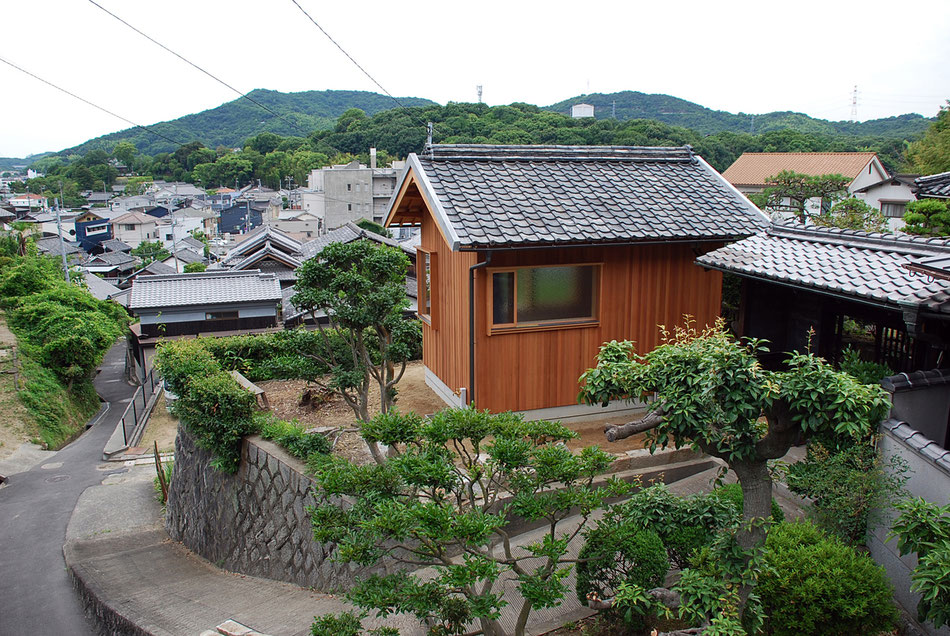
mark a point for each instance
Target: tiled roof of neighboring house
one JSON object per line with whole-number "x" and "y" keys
{"x": 257, "y": 240}
{"x": 50, "y": 245}
{"x": 156, "y": 268}
{"x": 113, "y": 258}
{"x": 103, "y": 290}
{"x": 203, "y": 288}
{"x": 191, "y": 243}
{"x": 347, "y": 233}
{"x": 134, "y": 218}
{"x": 266, "y": 252}
{"x": 493, "y": 196}
{"x": 115, "y": 245}
{"x": 866, "y": 267}
{"x": 185, "y": 256}
{"x": 99, "y": 197}
{"x": 934, "y": 186}
{"x": 753, "y": 168}
{"x": 897, "y": 179}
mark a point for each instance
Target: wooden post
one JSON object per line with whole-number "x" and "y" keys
{"x": 161, "y": 473}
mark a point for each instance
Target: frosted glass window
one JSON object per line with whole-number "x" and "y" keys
{"x": 532, "y": 296}
{"x": 503, "y": 298}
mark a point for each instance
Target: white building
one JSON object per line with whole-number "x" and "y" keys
{"x": 579, "y": 111}
{"x": 353, "y": 191}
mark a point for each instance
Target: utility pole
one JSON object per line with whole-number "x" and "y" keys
{"x": 171, "y": 211}
{"x": 59, "y": 230}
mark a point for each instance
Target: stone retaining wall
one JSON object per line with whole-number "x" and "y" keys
{"x": 254, "y": 521}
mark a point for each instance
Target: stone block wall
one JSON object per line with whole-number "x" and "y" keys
{"x": 254, "y": 521}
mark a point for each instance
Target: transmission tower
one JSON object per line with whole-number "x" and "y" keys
{"x": 479, "y": 89}
{"x": 854, "y": 104}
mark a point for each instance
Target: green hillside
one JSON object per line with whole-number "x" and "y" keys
{"x": 679, "y": 112}
{"x": 231, "y": 123}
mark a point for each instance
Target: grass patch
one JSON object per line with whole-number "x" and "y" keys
{"x": 60, "y": 415}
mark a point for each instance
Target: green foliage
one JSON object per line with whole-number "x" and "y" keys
{"x": 848, "y": 488}
{"x": 361, "y": 287}
{"x": 814, "y": 584}
{"x": 291, "y": 435}
{"x": 211, "y": 404}
{"x": 375, "y": 228}
{"x": 788, "y": 191}
{"x": 863, "y": 371}
{"x": 449, "y": 489}
{"x": 192, "y": 268}
{"x": 168, "y": 467}
{"x": 150, "y": 251}
{"x": 927, "y": 217}
{"x": 924, "y": 528}
{"x": 931, "y": 153}
{"x": 63, "y": 332}
{"x": 619, "y": 554}
{"x": 853, "y": 214}
{"x": 732, "y": 494}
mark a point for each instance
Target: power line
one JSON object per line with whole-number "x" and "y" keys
{"x": 86, "y": 101}
{"x": 357, "y": 64}
{"x": 209, "y": 74}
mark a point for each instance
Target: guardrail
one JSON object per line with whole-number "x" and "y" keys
{"x": 137, "y": 412}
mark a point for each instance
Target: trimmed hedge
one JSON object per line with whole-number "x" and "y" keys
{"x": 619, "y": 554}
{"x": 815, "y": 584}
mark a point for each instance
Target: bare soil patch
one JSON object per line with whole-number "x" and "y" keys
{"x": 16, "y": 424}
{"x": 162, "y": 427}
{"x": 413, "y": 395}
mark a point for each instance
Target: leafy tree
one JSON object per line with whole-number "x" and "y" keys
{"x": 788, "y": 191}
{"x": 931, "y": 153}
{"x": 853, "y": 214}
{"x": 137, "y": 185}
{"x": 927, "y": 217}
{"x": 361, "y": 288}
{"x": 375, "y": 228}
{"x": 125, "y": 153}
{"x": 924, "y": 528}
{"x": 192, "y": 268}
{"x": 709, "y": 391}
{"x": 150, "y": 251}
{"x": 445, "y": 499}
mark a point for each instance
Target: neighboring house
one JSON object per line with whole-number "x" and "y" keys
{"x": 353, "y": 191}
{"x": 111, "y": 265}
{"x": 749, "y": 172}
{"x": 891, "y": 196}
{"x": 182, "y": 257}
{"x": 122, "y": 205}
{"x": 205, "y": 302}
{"x": 55, "y": 247}
{"x": 104, "y": 290}
{"x": 531, "y": 257}
{"x": 935, "y": 186}
{"x": 241, "y": 217}
{"x": 115, "y": 245}
{"x": 135, "y": 228}
{"x": 300, "y": 222}
{"x": 92, "y": 228}
{"x": 266, "y": 249}
{"x": 28, "y": 201}
{"x": 801, "y": 278}
{"x": 99, "y": 198}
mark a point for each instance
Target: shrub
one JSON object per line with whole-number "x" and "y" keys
{"x": 619, "y": 554}
{"x": 924, "y": 528}
{"x": 291, "y": 436}
{"x": 864, "y": 371}
{"x": 732, "y": 494}
{"x": 814, "y": 584}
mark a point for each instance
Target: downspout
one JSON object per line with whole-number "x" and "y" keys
{"x": 471, "y": 325}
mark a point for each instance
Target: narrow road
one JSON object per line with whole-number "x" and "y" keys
{"x": 36, "y": 593}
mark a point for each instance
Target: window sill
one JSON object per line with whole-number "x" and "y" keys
{"x": 426, "y": 318}
{"x": 499, "y": 331}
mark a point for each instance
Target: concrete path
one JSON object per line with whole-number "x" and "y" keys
{"x": 36, "y": 594}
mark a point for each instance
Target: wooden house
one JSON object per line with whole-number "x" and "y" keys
{"x": 531, "y": 257}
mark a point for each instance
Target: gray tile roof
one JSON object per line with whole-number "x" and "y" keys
{"x": 347, "y": 233}
{"x": 113, "y": 258}
{"x": 184, "y": 256}
{"x": 261, "y": 237}
{"x": 115, "y": 245}
{"x": 934, "y": 186}
{"x": 156, "y": 268}
{"x": 103, "y": 290}
{"x": 50, "y": 245}
{"x": 204, "y": 288}
{"x": 551, "y": 195}
{"x": 918, "y": 442}
{"x": 867, "y": 267}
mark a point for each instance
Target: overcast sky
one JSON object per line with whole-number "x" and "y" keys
{"x": 753, "y": 57}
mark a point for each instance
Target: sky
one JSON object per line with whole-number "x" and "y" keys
{"x": 751, "y": 57}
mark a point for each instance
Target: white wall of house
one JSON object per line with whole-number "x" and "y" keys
{"x": 182, "y": 228}
{"x": 134, "y": 234}
{"x": 890, "y": 199}
{"x": 190, "y": 314}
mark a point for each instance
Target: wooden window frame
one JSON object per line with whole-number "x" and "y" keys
{"x": 546, "y": 325}
{"x": 431, "y": 318}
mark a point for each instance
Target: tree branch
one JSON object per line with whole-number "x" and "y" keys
{"x": 651, "y": 420}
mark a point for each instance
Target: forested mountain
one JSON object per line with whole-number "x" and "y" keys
{"x": 679, "y": 112}
{"x": 231, "y": 123}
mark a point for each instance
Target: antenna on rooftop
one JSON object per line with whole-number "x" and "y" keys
{"x": 854, "y": 104}
{"x": 479, "y": 89}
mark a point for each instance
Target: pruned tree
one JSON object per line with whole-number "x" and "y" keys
{"x": 789, "y": 191}
{"x": 445, "y": 500}
{"x": 853, "y": 214}
{"x": 707, "y": 390}
{"x": 360, "y": 288}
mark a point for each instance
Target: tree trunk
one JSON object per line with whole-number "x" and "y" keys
{"x": 756, "y": 486}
